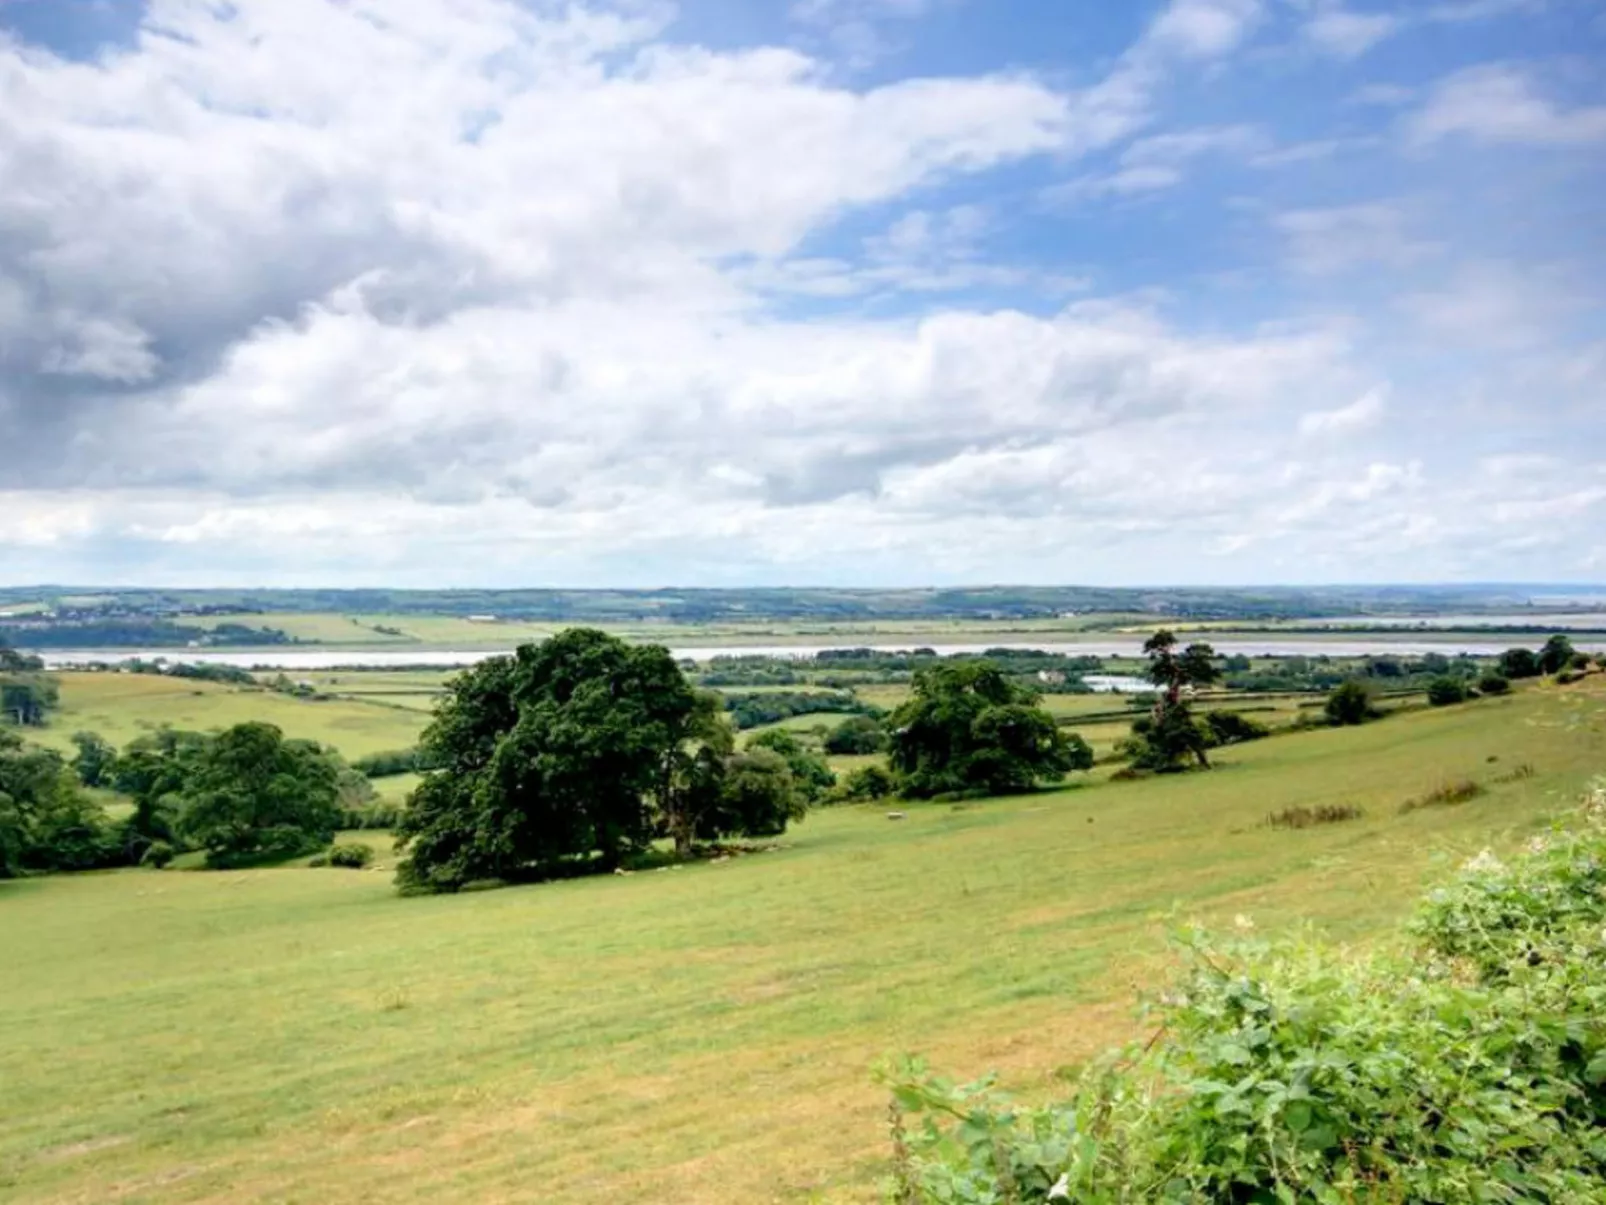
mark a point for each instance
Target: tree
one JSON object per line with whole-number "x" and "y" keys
{"x": 856, "y": 736}
{"x": 580, "y": 747}
{"x": 1168, "y": 736}
{"x": 1444, "y": 691}
{"x": 969, "y": 728}
{"x": 1519, "y": 663}
{"x": 26, "y": 699}
{"x": 250, "y": 795}
{"x": 1494, "y": 684}
{"x": 813, "y": 776}
{"x": 869, "y": 782}
{"x": 152, "y": 770}
{"x": 1556, "y": 656}
{"x": 46, "y": 823}
{"x": 1350, "y": 703}
{"x": 95, "y": 758}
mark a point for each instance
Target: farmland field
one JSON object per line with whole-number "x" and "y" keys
{"x": 123, "y": 706}
{"x": 699, "y": 1035}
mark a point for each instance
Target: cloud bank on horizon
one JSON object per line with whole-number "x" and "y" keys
{"x": 861, "y": 292}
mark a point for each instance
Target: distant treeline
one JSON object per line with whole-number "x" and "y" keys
{"x": 693, "y": 606}
{"x": 45, "y": 633}
{"x": 771, "y": 707}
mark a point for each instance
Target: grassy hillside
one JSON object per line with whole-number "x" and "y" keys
{"x": 698, "y": 1035}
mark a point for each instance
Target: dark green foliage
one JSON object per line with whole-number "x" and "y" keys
{"x": 1350, "y": 703}
{"x": 758, "y": 795}
{"x": 350, "y": 855}
{"x": 1168, "y": 738}
{"x": 1445, "y": 691}
{"x": 1519, "y": 663}
{"x": 547, "y": 755}
{"x": 157, "y": 855}
{"x": 869, "y": 782}
{"x": 392, "y": 762}
{"x": 152, "y": 770}
{"x": 757, "y": 710}
{"x": 579, "y": 746}
{"x": 26, "y": 699}
{"x": 1468, "y": 1067}
{"x": 1556, "y": 656}
{"x": 46, "y": 823}
{"x": 857, "y": 736}
{"x": 1494, "y": 684}
{"x": 1233, "y": 728}
{"x": 248, "y": 795}
{"x": 811, "y": 774}
{"x": 94, "y": 760}
{"x": 969, "y": 728}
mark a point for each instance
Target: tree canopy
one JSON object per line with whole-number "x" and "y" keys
{"x": 968, "y": 728}
{"x": 1556, "y": 656}
{"x": 248, "y": 794}
{"x": 580, "y": 747}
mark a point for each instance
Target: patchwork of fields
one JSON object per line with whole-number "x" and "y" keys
{"x": 699, "y": 1035}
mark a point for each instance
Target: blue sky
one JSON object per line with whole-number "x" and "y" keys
{"x": 468, "y": 292}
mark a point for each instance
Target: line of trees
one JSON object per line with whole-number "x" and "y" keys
{"x": 244, "y": 796}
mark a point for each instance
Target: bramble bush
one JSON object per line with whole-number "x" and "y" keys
{"x": 1465, "y": 1064}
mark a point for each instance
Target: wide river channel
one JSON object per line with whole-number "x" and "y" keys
{"x": 1448, "y": 643}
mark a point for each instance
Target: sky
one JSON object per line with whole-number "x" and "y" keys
{"x": 811, "y": 292}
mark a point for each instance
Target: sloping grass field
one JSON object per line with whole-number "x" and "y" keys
{"x": 702, "y": 1034}
{"x": 123, "y": 706}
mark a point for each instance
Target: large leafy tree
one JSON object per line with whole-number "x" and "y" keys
{"x": 248, "y": 794}
{"x": 579, "y": 747}
{"x": 969, "y": 728}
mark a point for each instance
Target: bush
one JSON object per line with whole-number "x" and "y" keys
{"x": 1350, "y": 703}
{"x": 869, "y": 782}
{"x": 1494, "y": 684}
{"x": 1469, "y": 1065}
{"x": 1234, "y": 728}
{"x": 157, "y": 855}
{"x": 1445, "y": 691}
{"x": 856, "y": 736}
{"x": 350, "y": 855}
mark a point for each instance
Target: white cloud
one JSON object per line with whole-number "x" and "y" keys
{"x": 1329, "y": 241}
{"x": 476, "y": 291}
{"x": 1158, "y": 161}
{"x": 1364, "y": 412}
{"x": 1501, "y": 103}
{"x": 1346, "y": 33}
{"x": 1203, "y": 28}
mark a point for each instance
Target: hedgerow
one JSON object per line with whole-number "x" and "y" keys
{"x": 1465, "y": 1063}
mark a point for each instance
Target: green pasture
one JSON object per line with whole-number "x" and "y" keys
{"x": 693, "y": 1035}
{"x": 123, "y": 706}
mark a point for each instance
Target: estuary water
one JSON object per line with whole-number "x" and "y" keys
{"x": 1281, "y": 645}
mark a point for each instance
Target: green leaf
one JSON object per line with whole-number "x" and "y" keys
{"x": 1297, "y": 1116}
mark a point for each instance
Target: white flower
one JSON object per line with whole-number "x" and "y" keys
{"x": 1062, "y": 1189}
